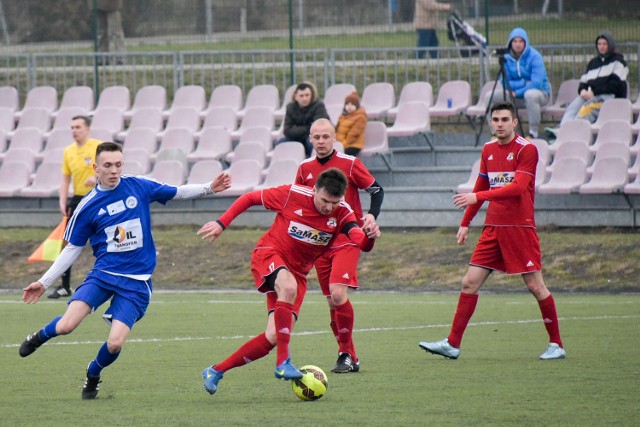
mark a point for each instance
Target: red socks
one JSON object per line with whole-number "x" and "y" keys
{"x": 332, "y": 324}
{"x": 344, "y": 325}
{"x": 253, "y": 349}
{"x": 550, "y": 319}
{"x": 283, "y": 316}
{"x": 466, "y": 306}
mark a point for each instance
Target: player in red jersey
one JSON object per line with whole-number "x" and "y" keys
{"x": 336, "y": 268}
{"x": 307, "y": 222}
{"x": 509, "y": 241}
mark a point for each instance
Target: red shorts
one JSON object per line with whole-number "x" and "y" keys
{"x": 264, "y": 262}
{"x": 512, "y": 250}
{"x": 338, "y": 266}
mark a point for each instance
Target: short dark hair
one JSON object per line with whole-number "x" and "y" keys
{"x": 305, "y": 86}
{"x": 108, "y": 146}
{"x": 333, "y": 181}
{"x": 86, "y": 119}
{"x": 504, "y": 105}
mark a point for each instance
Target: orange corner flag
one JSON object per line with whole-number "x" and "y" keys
{"x": 52, "y": 246}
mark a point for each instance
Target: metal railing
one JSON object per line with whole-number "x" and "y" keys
{"x": 282, "y": 68}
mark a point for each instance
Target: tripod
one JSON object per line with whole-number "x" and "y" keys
{"x": 506, "y": 89}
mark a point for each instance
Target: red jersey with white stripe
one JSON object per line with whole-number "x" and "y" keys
{"x": 299, "y": 231}
{"x": 507, "y": 180}
{"x": 357, "y": 174}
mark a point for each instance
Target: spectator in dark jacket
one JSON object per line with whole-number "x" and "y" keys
{"x": 605, "y": 78}
{"x": 304, "y": 109}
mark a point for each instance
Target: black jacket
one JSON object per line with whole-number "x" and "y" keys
{"x": 606, "y": 74}
{"x": 297, "y": 121}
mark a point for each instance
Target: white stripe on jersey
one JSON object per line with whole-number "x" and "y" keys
{"x": 72, "y": 221}
{"x": 302, "y": 190}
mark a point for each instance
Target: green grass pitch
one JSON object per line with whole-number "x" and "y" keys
{"x": 498, "y": 379}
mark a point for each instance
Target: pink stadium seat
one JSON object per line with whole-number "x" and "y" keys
{"x": 480, "y": 108}
{"x": 246, "y": 175}
{"x": 286, "y": 99}
{"x": 114, "y": 97}
{"x": 375, "y": 139}
{"x": 612, "y": 131}
{"x": 214, "y": 144}
{"x": 613, "y": 109}
{"x": 572, "y": 130}
{"x": 227, "y": 96}
{"x": 377, "y": 99}
{"x": 46, "y": 182}
{"x": 170, "y": 172}
{"x": 7, "y": 122}
{"x": 217, "y": 117}
{"x": 131, "y": 167}
{"x": 64, "y": 117}
{"x": 191, "y": 96}
{"x": 280, "y": 172}
{"x": 634, "y": 171}
{"x": 467, "y": 187}
{"x": 14, "y": 176}
{"x": 9, "y": 98}
{"x": 172, "y": 154}
{"x": 291, "y": 150}
{"x": 618, "y": 150}
{"x": 182, "y": 118}
{"x": 566, "y": 93}
{"x": 454, "y": 97}
{"x": 152, "y": 96}
{"x": 109, "y": 119}
{"x": 177, "y": 138}
{"x": 101, "y": 134}
{"x": 609, "y": 175}
{"x": 412, "y": 118}
{"x": 568, "y": 175}
{"x": 78, "y": 97}
{"x": 22, "y": 155}
{"x": 40, "y": 97}
{"x": 248, "y": 150}
{"x": 265, "y": 96}
{"x": 413, "y": 91}
{"x": 254, "y": 117}
{"x": 543, "y": 150}
{"x": 149, "y": 118}
{"x": 25, "y": 138}
{"x": 38, "y": 118}
{"x": 576, "y": 149}
{"x": 334, "y": 99}
{"x": 204, "y": 171}
{"x": 141, "y": 138}
{"x": 139, "y": 156}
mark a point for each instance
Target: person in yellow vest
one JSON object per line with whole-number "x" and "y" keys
{"x": 77, "y": 169}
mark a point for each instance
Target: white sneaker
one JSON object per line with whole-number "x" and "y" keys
{"x": 554, "y": 351}
{"x": 442, "y": 348}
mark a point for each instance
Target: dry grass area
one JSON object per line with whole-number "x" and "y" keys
{"x": 585, "y": 260}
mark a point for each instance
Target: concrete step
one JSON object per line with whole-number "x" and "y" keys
{"x": 445, "y": 177}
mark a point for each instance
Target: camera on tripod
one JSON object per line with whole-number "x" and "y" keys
{"x": 501, "y": 51}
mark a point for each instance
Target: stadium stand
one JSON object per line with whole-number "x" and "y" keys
{"x": 14, "y": 176}
{"x": 567, "y": 91}
{"x": 78, "y": 97}
{"x": 609, "y": 175}
{"x": 204, "y": 171}
{"x": 9, "y": 98}
{"x": 454, "y": 97}
{"x": 146, "y": 117}
{"x": 613, "y": 109}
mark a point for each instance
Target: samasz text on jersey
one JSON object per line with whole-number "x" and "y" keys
{"x": 309, "y": 235}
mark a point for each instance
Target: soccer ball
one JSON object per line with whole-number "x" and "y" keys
{"x": 312, "y": 385}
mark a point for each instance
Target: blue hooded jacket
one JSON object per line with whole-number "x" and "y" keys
{"x": 527, "y": 71}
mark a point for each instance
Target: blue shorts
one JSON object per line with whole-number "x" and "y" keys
{"x": 126, "y": 306}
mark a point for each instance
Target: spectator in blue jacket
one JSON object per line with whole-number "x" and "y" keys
{"x": 527, "y": 78}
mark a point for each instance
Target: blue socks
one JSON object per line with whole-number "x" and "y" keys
{"x": 102, "y": 360}
{"x": 49, "y": 331}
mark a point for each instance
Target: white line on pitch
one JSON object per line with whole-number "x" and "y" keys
{"x": 374, "y": 329}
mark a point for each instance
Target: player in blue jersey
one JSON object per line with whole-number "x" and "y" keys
{"x": 116, "y": 219}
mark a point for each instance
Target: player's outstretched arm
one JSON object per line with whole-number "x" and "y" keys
{"x": 33, "y": 292}
{"x": 221, "y": 182}
{"x": 211, "y": 231}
